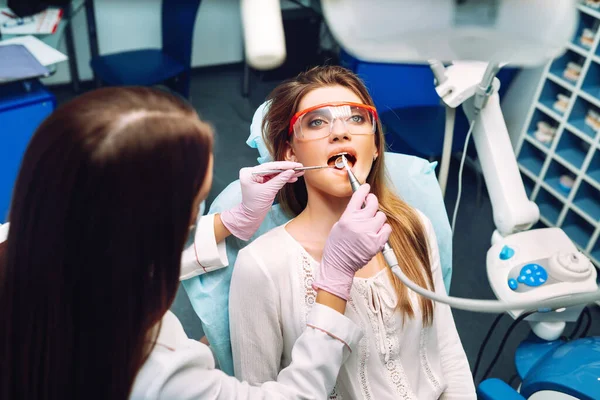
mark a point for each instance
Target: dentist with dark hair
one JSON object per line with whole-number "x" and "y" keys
{"x": 108, "y": 189}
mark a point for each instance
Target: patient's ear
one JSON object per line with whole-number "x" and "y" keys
{"x": 289, "y": 153}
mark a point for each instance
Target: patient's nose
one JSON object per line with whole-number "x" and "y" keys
{"x": 339, "y": 131}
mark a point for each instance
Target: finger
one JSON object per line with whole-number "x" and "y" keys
{"x": 379, "y": 220}
{"x": 278, "y": 165}
{"x": 296, "y": 175}
{"x": 247, "y": 176}
{"x": 270, "y": 177}
{"x": 359, "y": 197}
{"x": 281, "y": 179}
{"x": 245, "y": 173}
{"x": 371, "y": 205}
{"x": 294, "y": 178}
{"x": 384, "y": 234}
{"x": 373, "y": 224}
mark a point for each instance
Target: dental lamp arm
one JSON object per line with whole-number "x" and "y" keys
{"x": 474, "y": 86}
{"x": 485, "y": 87}
{"x": 513, "y": 211}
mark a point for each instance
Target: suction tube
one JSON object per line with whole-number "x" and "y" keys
{"x": 484, "y": 306}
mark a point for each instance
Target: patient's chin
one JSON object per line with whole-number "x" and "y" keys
{"x": 337, "y": 190}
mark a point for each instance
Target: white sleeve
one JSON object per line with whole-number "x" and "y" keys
{"x": 254, "y": 315}
{"x": 317, "y": 357}
{"x": 205, "y": 254}
{"x": 3, "y": 232}
{"x": 455, "y": 365}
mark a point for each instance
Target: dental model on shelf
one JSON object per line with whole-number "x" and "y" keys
{"x": 592, "y": 119}
{"x": 561, "y": 103}
{"x": 545, "y": 132}
{"x": 572, "y": 72}
{"x": 587, "y": 38}
{"x": 566, "y": 183}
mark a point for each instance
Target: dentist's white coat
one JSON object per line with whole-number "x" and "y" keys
{"x": 184, "y": 369}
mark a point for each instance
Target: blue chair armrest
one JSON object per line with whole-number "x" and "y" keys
{"x": 496, "y": 389}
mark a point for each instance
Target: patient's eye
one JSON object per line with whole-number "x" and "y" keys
{"x": 357, "y": 119}
{"x": 316, "y": 123}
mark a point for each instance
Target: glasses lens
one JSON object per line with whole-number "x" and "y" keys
{"x": 321, "y": 122}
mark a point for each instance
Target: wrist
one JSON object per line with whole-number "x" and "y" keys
{"x": 239, "y": 222}
{"x": 336, "y": 287}
{"x": 221, "y": 231}
{"x": 331, "y": 300}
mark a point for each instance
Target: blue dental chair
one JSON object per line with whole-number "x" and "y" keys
{"x": 170, "y": 64}
{"x": 559, "y": 370}
{"x": 414, "y": 180}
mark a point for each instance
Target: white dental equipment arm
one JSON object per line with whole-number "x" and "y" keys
{"x": 469, "y": 84}
{"x": 528, "y": 269}
{"x": 264, "y": 39}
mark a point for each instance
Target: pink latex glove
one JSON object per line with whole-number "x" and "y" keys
{"x": 258, "y": 194}
{"x": 353, "y": 241}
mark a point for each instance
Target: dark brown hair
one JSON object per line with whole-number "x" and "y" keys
{"x": 408, "y": 237}
{"x": 100, "y": 213}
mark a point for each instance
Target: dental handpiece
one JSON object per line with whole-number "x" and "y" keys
{"x": 388, "y": 252}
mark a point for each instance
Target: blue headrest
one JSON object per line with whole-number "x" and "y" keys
{"x": 415, "y": 182}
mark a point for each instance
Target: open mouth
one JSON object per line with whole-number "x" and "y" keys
{"x": 333, "y": 160}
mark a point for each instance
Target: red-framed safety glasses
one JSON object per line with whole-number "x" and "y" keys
{"x": 319, "y": 121}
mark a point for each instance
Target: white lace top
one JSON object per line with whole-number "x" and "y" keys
{"x": 271, "y": 295}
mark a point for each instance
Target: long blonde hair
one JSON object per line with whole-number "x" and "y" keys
{"x": 408, "y": 238}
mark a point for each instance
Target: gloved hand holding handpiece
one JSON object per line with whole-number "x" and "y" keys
{"x": 353, "y": 241}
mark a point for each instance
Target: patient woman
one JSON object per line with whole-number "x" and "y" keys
{"x": 411, "y": 349}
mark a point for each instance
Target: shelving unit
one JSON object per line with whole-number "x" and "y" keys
{"x": 559, "y": 149}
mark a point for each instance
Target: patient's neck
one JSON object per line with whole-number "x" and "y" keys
{"x": 322, "y": 211}
{"x": 312, "y": 226}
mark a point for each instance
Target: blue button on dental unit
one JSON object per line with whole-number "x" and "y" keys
{"x": 506, "y": 253}
{"x": 533, "y": 275}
